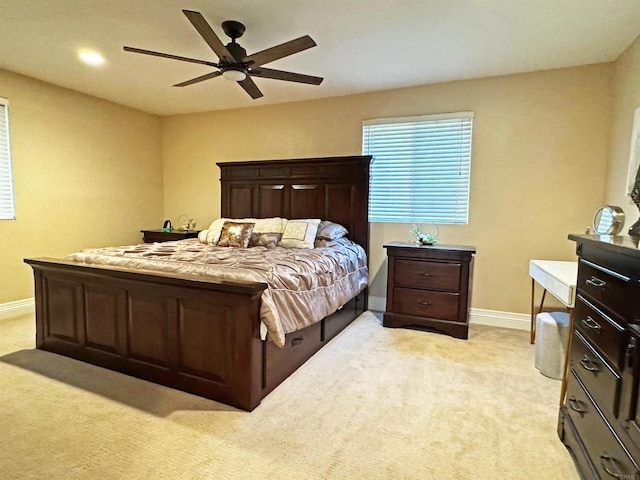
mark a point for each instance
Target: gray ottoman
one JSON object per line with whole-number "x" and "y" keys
{"x": 552, "y": 329}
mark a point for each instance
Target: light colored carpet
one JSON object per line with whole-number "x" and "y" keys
{"x": 376, "y": 403}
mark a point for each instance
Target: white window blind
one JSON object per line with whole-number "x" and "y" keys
{"x": 420, "y": 169}
{"x": 7, "y": 211}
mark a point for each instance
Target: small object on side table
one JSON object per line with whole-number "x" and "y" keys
{"x": 428, "y": 287}
{"x": 424, "y": 238}
{"x": 161, "y": 235}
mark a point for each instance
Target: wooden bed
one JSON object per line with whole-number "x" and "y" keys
{"x": 203, "y": 336}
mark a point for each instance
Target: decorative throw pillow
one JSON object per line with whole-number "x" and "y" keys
{"x": 212, "y": 234}
{"x": 235, "y": 234}
{"x": 299, "y": 233}
{"x": 269, "y": 240}
{"x": 330, "y": 231}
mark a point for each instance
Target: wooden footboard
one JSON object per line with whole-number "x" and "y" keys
{"x": 201, "y": 337}
{"x": 197, "y": 336}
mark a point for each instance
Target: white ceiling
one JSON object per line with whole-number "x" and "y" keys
{"x": 363, "y": 45}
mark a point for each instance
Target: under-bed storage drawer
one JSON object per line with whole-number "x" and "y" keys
{"x": 337, "y": 321}
{"x": 299, "y": 346}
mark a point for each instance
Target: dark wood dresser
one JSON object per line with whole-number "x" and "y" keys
{"x": 429, "y": 287}
{"x": 599, "y": 420}
{"x": 159, "y": 235}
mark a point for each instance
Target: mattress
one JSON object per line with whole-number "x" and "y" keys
{"x": 303, "y": 285}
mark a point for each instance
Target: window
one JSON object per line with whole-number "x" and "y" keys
{"x": 6, "y": 185}
{"x": 420, "y": 169}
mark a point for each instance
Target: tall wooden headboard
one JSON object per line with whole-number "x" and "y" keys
{"x": 330, "y": 188}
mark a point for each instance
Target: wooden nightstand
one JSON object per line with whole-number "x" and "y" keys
{"x": 157, "y": 235}
{"x": 428, "y": 287}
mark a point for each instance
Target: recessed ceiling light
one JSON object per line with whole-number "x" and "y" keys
{"x": 91, "y": 58}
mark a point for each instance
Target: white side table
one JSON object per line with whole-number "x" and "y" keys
{"x": 559, "y": 278}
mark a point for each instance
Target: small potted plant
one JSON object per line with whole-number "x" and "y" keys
{"x": 423, "y": 238}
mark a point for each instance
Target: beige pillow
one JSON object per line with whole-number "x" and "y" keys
{"x": 269, "y": 225}
{"x": 235, "y": 234}
{"x": 299, "y": 233}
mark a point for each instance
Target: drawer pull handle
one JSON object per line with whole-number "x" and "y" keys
{"x": 588, "y": 364}
{"x": 297, "y": 340}
{"x": 596, "y": 282}
{"x": 607, "y": 461}
{"x": 576, "y": 406}
{"x": 427, "y": 275}
{"x": 591, "y": 323}
{"x": 425, "y": 303}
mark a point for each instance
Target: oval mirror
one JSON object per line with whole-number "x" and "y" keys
{"x": 608, "y": 220}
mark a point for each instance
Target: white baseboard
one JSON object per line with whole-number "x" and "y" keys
{"x": 496, "y": 318}
{"x": 17, "y": 308}
{"x": 478, "y": 316}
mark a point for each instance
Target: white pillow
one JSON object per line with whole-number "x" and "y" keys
{"x": 269, "y": 225}
{"x": 299, "y": 233}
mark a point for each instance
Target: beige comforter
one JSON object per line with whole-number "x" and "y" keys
{"x": 304, "y": 285}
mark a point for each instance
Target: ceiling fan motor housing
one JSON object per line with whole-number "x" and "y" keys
{"x": 237, "y": 51}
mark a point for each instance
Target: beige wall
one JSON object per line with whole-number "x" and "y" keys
{"x": 540, "y": 144}
{"x": 626, "y": 90}
{"x": 86, "y": 173}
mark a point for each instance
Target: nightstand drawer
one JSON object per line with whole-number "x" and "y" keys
{"x": 433, "y": 275}
{"x": 424, "y": 303}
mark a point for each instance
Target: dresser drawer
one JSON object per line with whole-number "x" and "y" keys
{"x": 602, "y": 331}
{"x": 433, "y": 275}
{"x": 595, "y": 373}
{"x": 606, "y": 452}
{"x": 425, "y": 303}
{"x": 606, "y": 286}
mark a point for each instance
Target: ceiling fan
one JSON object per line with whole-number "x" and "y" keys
{"x": 234, "y": 63}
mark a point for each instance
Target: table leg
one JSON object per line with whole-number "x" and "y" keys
{"x": 563, "y": 387}
{"x": 533, "y": 315}
{"x": 533, "y": 322}
{"x": 533, "y": 318}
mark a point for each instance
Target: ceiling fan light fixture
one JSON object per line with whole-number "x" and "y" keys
{"x": 235, "y": 75}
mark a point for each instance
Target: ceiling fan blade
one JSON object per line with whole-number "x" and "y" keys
{"x": 279, "y": 51}
{"x": 209, "y": 36}
{"x": 202, "y": 78}
{"x": 286, "y": 76}
{"x": 167, "y": 55}
{"x": 250, "y": 87}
